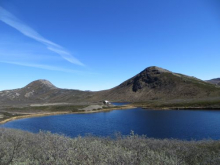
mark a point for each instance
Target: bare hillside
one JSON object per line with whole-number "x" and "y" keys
{"x": 153, "y": 83}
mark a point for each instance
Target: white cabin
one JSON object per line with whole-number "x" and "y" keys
{"x": 106, "y": 102}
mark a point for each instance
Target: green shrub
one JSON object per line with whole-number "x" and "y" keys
{"x": 19, "y": 147}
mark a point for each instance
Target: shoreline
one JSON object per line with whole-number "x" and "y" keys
{"x": 62, "y": 113}
{"x": 180, "y": 108}
{"x": 101, "y": 110}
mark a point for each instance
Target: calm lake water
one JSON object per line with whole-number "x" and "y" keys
{"x": 185, "y": 124}
{"x": 118, "y": 104}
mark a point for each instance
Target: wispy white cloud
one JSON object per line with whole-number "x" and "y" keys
{"x": 47, "y": 67}
{"x": 14, "y": 22}
{"x": 66, "y": 55}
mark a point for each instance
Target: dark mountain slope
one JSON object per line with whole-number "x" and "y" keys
{"x": 157, "y": 83}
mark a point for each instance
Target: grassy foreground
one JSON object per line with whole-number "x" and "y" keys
{"x": 19, "y": 147}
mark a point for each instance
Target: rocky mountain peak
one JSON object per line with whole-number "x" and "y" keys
{"x": 41, "y": 84}
{"x": 150, "y": 77}
{"x": 156, "y": 69}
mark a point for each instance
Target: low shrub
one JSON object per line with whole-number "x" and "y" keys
{"x": 19, "y": 147}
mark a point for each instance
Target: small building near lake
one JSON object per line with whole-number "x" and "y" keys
{"x": 106, "y": 102}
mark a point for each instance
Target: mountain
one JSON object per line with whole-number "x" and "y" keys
{"x": 42, "y": 85}
{"x": 215, "y": 81}
{"x": 153, "y": 83}
{"x": 42, "y": 91}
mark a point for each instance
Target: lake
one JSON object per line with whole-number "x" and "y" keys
{"x": 120, "y": 103}
{"x": 182, "y": 124}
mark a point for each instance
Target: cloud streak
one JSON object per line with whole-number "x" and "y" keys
{"x": 47, "y": 67}
{"x": 14, "y": 22}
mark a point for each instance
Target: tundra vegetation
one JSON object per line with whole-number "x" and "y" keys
{"x": 205, "y": 104}
{"x": 10, "y": 112}
{"x": 19, "y": 147}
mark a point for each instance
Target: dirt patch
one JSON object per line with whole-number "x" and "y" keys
{"x": 92, "y": 107}
{"x": 48, "y": 104}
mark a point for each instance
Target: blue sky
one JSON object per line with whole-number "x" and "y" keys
{"x": 96, "y": 45}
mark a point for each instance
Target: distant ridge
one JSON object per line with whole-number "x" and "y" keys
{"x": 215, "y": 81}
{"x": 153, "y": 83}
